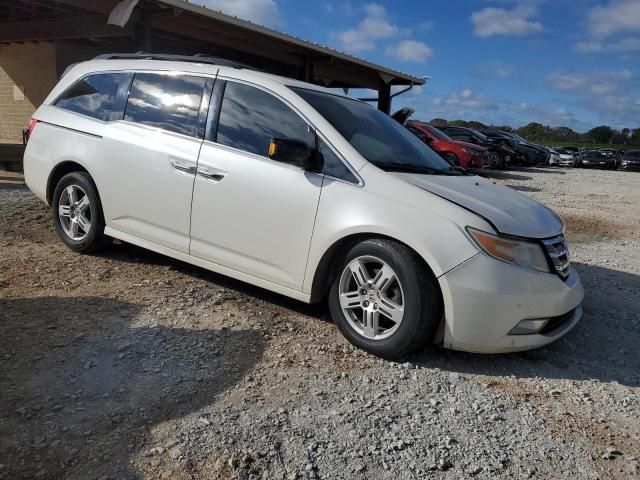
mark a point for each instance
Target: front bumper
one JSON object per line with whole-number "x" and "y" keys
{"x": 595, "y": 163}
{"x": 485, "y": 299}
{"x": 627, "y": 165}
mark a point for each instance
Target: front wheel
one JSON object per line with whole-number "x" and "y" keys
{"x": 77, "y": 213}
{"x": 384, "y": 300}
{"x": 452, "y": 159}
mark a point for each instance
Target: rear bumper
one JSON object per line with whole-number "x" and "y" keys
{"x": 485, "y": 299}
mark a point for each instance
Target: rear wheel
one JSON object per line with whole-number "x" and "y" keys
{"x": 77, "y": 213}
{"x": 384, "y": 300}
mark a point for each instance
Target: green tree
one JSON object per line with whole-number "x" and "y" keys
{"x": 439, "y": 122}
{"x": 601, "y": 134}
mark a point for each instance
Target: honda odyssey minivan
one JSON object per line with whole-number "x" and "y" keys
{"x": 302, "y": 191}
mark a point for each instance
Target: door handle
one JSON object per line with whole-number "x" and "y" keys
{"x": 183, "y": 165}
{"x": 211, "y": 173}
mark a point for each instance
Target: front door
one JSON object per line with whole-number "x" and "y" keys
{"x": 250, "y": 213}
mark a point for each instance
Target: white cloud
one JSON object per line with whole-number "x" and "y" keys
{"x": 596, "y": 83}
{"x": 626, "y": 45}
{"x": 611, "y": 94}
{"x": 500, "y": 21}
{"x": 410, "y": 51}
{"x": 617, "y": 16}
{"x": 265, "y": 12}
{"x": 373, "y": 27}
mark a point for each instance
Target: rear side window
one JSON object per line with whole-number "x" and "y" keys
{"x": 170, "y": 102}
{"x": 250, "y": 118}
{"x": 101, "y": 96}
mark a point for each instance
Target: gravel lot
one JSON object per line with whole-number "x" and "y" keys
{"x": 132, "y": 365}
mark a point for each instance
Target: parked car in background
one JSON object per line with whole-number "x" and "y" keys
{"x": 554, "y": 157}
{"x": 529, "y": 153}
{"x": 567, "y": 158}
{"x": 466, "y": 155}
{"x": 616, "y": 155}
{"x": 499, "y": 156}
{"x": 577, "y": 154}
{"x": 308, "y": 193}
{"x": 630, "y": 160}
{"x": 595, "y": 158}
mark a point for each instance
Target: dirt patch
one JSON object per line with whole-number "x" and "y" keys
{"x": 572, "y": 417}
{"x": 581, "y": 225}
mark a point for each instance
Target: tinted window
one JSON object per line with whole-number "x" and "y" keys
{"x": 333, "y": 166}
{"x": 170, "y": 102}
{"x": 250, "y": 118}
{"x": 97, "y": 96}
{"x": 375, "y": 135}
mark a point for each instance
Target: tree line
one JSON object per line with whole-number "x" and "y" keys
{"x": 536, "y": 132}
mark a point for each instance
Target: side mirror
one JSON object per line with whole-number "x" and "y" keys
{"x": 294, "y": 152}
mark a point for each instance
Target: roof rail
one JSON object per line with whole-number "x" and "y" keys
{"x": 197, "y": 58}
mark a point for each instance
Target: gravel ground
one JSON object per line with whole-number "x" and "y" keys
{"x": 132, "y": 365}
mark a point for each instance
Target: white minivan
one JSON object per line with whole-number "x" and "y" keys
{"x": 302, "y": 191}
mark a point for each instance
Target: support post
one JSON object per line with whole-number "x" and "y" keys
{"x": 384, "y": 97}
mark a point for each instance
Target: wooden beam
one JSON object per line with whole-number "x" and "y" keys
{"x": 90, "y": 26}
{"x": 103, "y": 7}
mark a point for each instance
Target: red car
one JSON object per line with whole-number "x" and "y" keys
{"x": 466, "y": 155}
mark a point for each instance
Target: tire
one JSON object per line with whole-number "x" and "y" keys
{"x": 78, "y": 216}
{"x": 452, "y": 159}
{"x": 414, "y": 288}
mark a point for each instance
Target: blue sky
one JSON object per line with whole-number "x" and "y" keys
{"x": 569, "y": 63}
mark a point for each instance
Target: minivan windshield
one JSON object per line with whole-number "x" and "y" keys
{"x": 376, "y": 136}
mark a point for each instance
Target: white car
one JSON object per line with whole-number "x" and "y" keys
{"x": 567, "y": 158}
{"x": 554, "y": 157}
{"x": 302, "y": 191}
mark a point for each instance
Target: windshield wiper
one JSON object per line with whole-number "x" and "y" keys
{"x": 413, "y": 168}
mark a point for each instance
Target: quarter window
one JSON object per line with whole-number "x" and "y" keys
{"x": 332, "y": 165}
{"x": 170, "y": 102}
{"x": 250, "y": 118}
{"x": 101, "y": 96}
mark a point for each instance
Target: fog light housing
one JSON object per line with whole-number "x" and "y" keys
{"x": 529, "y": 327}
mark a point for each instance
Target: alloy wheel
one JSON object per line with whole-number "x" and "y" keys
{"x": 74, "y": 212}
{"x": 371, "y": 297}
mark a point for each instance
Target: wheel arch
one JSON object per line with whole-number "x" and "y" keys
{"x": 326, "y": 267}
{"x": 59, "y": 171}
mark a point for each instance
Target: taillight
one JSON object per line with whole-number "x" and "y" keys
{"x": 26, "y": 134}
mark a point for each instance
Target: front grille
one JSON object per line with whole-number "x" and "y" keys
{"x": 558, "y": 253}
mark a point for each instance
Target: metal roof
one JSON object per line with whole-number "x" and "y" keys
{"x": 404, "y": 78}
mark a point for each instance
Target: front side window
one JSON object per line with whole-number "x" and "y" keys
{"x": 170, "y": 102}
{"x": 250, "y": 118}
{"x": 101, "y": 96}
{"x": 375, "y": 135}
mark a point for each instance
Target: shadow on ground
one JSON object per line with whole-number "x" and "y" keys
{"x": 125, "y": 252}
{"x": 524, "y": 188}
{"x": 603, "y": 346}
{"x": 502, "y": 175}
{"x": 79, "y": 385}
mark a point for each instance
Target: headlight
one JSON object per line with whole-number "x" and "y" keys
{"x": 475, "y": 153}
{"x": 516, "y": 252}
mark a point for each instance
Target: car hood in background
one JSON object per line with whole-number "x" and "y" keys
{"x": 471, "y": 146}
{"x": 510, "y": 212}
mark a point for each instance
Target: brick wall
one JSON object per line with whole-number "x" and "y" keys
{"x": 27, "y": 75}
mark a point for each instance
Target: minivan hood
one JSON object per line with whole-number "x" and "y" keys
{"x": 510, "y": 212}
